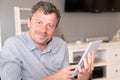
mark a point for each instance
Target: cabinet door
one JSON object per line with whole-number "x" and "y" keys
{"x": 0, "y": 37}
{"x": 113, "y": 71}
{"x": 113, "y": 56}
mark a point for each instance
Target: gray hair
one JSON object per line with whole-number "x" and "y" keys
{"x": 48, "y": 8}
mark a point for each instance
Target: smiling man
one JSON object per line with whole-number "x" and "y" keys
{"x": 37, "y": 54}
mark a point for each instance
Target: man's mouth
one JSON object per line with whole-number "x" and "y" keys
{"x": 41, "y": 36}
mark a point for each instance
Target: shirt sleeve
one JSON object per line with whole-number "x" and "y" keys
{"x": 10, "y": 64}
{"x": 66, "y": 58}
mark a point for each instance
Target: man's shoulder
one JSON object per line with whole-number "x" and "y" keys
{"x": 14, "y": 39}
{"x": 59, "y": 40}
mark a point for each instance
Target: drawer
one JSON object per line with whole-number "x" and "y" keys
{"x": 113, "y": 71}
{"x": 113, "y": 56}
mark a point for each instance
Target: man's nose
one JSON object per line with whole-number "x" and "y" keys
{"x": 43, "y": 28}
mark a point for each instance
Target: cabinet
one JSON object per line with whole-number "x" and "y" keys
{"x": 0, "y": 42}
{"x": 107, "y": 56}
{"x": 0, "y": 38}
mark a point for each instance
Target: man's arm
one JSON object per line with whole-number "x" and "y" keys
{"x": 10, "y": 71}
{"x": 85, "y": 72}
{"x": 63, "y": 74}
{"x": 10, "y": 65}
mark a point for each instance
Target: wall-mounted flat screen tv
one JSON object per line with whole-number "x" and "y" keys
{"x": 92, "y": 6}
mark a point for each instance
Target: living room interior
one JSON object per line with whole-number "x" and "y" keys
{"x": 77, "y": 29}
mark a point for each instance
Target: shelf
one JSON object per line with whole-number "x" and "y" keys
{"x": 25, "y": 9}
{"x": 101, "y": 63}
{"x": 18, "y": 19}
{"x": 100, "y": 78}
{"x": 0, "y": 38}
{"x": 23, "y": 22}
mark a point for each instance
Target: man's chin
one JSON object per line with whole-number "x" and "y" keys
{"x": 42, "y": 42}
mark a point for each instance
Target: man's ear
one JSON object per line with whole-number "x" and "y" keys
{"x": 28, "y": 22}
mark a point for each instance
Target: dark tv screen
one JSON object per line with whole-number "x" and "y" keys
{"x": 92, "y": 5}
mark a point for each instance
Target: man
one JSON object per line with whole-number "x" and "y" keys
{"x": 37, "y": 54}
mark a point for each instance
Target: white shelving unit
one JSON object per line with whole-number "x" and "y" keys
{"x": 0, "y": 42}
{"x": 18, "y": 20}
{"x": 0, "y": 38}
{"x": 107, "y": 56}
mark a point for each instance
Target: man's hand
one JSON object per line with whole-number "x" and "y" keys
{"x": 85, "y": 72}
{"x": 65, "y": 73}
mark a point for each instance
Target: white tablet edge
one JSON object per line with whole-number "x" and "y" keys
{"x": 92, "y": 46}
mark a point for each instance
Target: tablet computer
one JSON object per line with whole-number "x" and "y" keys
{"x": 92, "y": 46}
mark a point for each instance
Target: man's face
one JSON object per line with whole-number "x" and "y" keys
{"x": 42, "y": 27}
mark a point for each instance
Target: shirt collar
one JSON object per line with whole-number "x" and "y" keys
{"x": 30, "y": 43}
{"x": 52, "y": 45}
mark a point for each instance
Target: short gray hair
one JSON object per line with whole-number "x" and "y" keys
{"x": 47, "y": 8}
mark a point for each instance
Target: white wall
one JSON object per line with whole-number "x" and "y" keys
{"x": 73, "y": 25}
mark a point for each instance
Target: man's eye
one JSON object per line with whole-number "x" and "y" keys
{"x": 50, "y": 26}
{"x": 39, "y": 22}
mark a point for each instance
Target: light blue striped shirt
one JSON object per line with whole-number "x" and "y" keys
{"x": 21, "y": 59}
